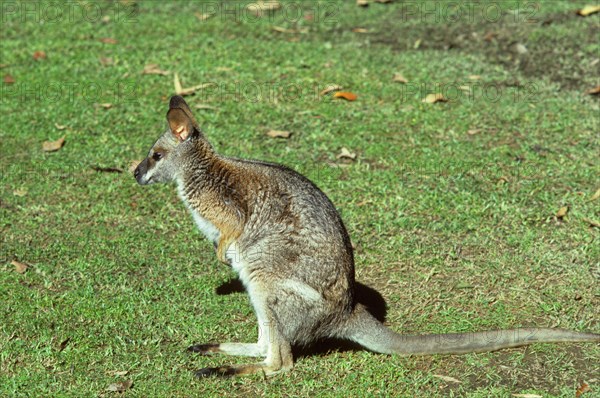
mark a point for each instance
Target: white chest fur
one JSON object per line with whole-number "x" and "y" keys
{"x": 206, "y": 227}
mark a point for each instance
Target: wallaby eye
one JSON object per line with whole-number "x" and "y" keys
{"x": 157, "y": 156}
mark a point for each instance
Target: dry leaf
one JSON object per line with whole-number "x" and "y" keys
{"x": 20, "y": 267}
{"x": 330, "y": 88}
{"x": 39, "y": 55}
{"x": 489, "y": 36}
{"x": 588, "y": 10}
{"x": 562, "y": 212}
{"x": 108, "y": 40}
{"x": 119, "y": 372}
{"x": 261, "y": 7}
{"x": 417, "y": 44}
{"x": 106, "y": 61}
{"x": 279, "y": 134}
{"x": 63, "y": 344}
{"x": 59, "y": 126}
{"x": 193, "y": 89}
{"x": 205, "y": 106}
{"x": 433, "y": 98}
{"x": 347, "y": 95}
{"x": 398, "y": 78}
{"x": 593, "y": 91}
{"x": 474, "y": 77}
{"x": 360, "y": 30}
{"x": 596, "y": 195}
{"x": 447, "y": 378}
{"x": 203, "y": 16}
{"x": 527, "y": 395}
{"x": 177, "y": 83}
{"x": 107, "y": 169}
{"x": 473, "y": 131}
{"x": 284, "y": 30}
{"x": 346, "y": 154}
{"x": 20, "y": 192}
{"x": 120, "y": 387}
{"x": 592, "y": 222}
{"x": 362, "y": 3}
{"x": 153, "y": 69}
{"x": 8, "y": 79}
{"x": 105, "y": 105}
{"x": 584, "y": 387}
{"x": 52, "y": 146}
{"x": 105, "y": 19}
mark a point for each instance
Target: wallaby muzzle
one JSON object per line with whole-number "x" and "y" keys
{"x": 140, "y": 172}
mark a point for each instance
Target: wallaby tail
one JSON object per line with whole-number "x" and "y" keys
{"x": 367, "y": 331}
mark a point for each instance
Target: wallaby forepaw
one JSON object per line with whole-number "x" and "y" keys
{"x": 204, "y": 349}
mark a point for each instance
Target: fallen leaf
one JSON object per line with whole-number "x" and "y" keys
{"x": 39, "y": 55}
{"x": 588, "y": 10}
{"x": 20, "y": 192}
{"x": 473, "y": 131}
{"x": 108, "y": 40}
{"x": 474, "y": 77}
{"x": 177, "y": 83}
{"x": 447, "y": 378}
{"x": 562, "y": 212}
{"x": 106, "y": 61}
{"x": 63, "y": 344}
{"x": 362, "y": 3}
{"x": 520, "y": 48}
{"x": 52, "y": 146}
{"x": 223, "y": 69}
{"x": 584, "y": 387}
{"x": 261, "y": 7}
{"x": 105, "y": 19}
{"x": 347, "y": 95}
{"x": 398, "y": 78}
{"x": 346, "y": 154}
{"x": 107, "y": 169}
{"x": 193, "y": 89}
{"x": 592, "y": 223}
{"x": 120, "y": 386}
{"x": 119, "y": 372}
{"x": 593, "y": 91}
{"x": 596, "y": 195}
{"x": 527, "y": 395}
{"x": 59, "y": 127}
{"x": 203, "y": 16}
{"x": 279, "y": 134}
{"x": 360, "y": 30}
{"x": 284, "y": 30}
{"x": 433, "y": 98}
{"x": 417, "y": 44}
{"x": 330, "y": 88}
{"x": 205, "y": 106}
{"x": 153, "y": 69}
{"x": 489, "y": 36}
{"x": 133, "y": 165}
{"x": 8, "y": 79}
{"x": 20, "y": 267}
{"x": 465, "y": 88}
{"x": 105, "y": 105}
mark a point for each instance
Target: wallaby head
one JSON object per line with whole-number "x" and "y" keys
{"x": 162, "y": 162}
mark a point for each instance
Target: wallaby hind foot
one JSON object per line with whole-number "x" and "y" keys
{"x": 237, "y": 349}
{"x": 279, "y": 359}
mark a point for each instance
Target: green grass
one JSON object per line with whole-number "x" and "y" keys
{"x": 456, "y": 231}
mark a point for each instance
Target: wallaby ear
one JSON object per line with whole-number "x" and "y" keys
{"x": 180, "y": 118}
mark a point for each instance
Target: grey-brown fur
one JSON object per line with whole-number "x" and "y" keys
{"x": 290, "y": 248}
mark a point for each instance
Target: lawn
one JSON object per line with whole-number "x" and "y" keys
{"x": 474, "y": 213}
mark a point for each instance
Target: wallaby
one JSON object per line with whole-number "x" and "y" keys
{"x": 290, "y": 249}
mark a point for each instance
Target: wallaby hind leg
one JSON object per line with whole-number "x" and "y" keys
{"x": 279, "y": 359}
